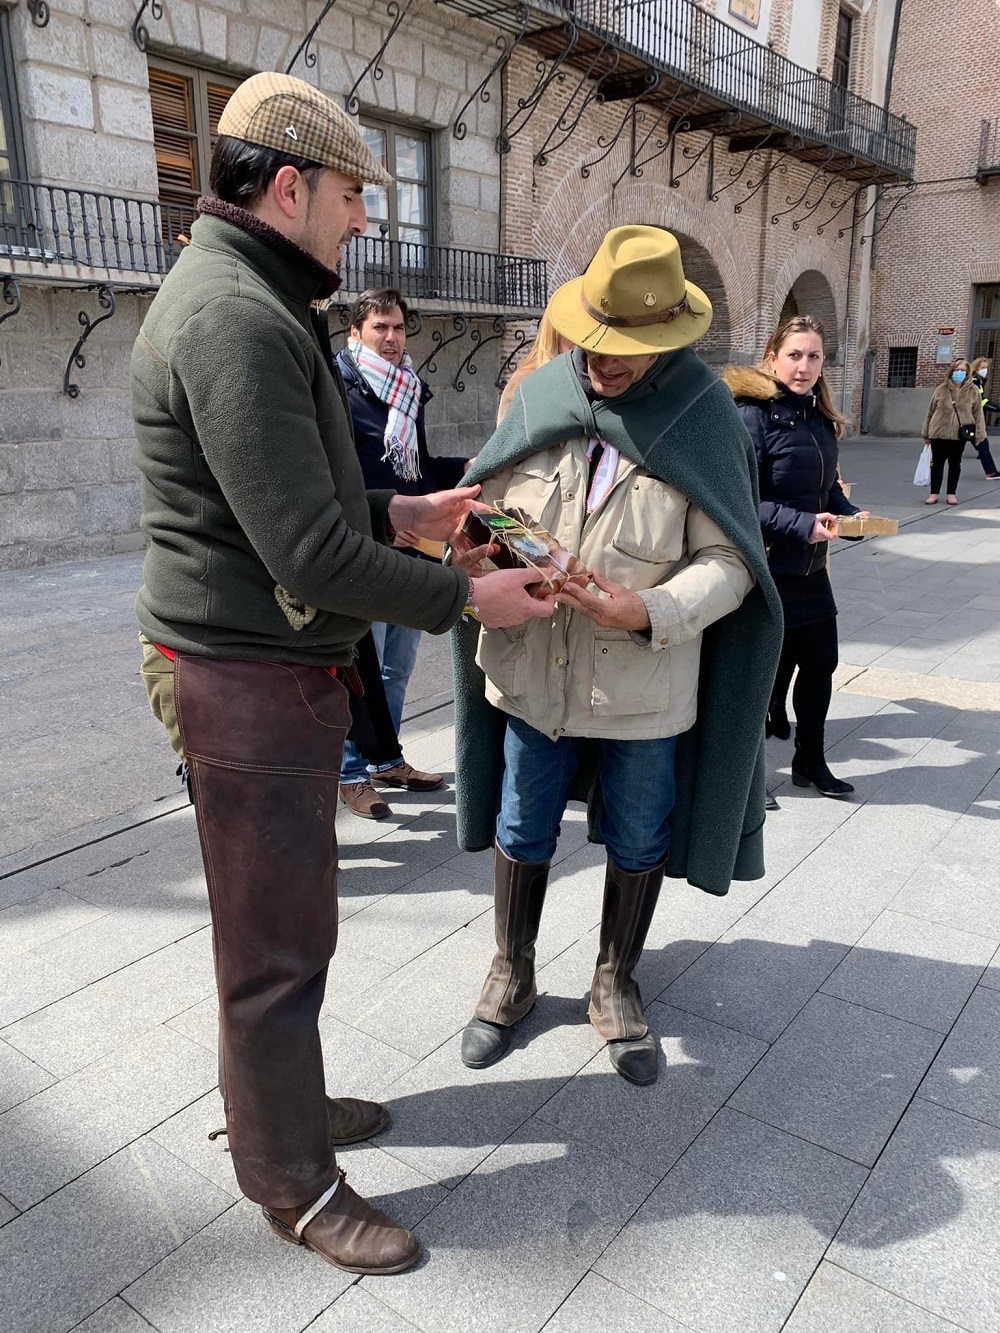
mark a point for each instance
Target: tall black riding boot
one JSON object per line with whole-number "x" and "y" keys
{"x": 809, "y": 767}
{"x": 615, "y": 1003}
{"x": 509, "y": 990}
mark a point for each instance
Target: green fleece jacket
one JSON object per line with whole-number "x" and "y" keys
{"x": 680, "y": 424}
{"x": 250, "y": 479}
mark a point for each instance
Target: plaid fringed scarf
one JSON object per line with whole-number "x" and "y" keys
{"x": 399, "y": 388}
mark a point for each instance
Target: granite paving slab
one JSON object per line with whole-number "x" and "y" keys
{"x": 926, "y": 1226}
{"x": 839, "y": 1076}
{"x": 966, "y": 1074}
{"x": 399, "y": 1190}
{"x": 358, "y": 1311}
{"x": 753, "y": 983}
{"x": 426, "y": 1001}
{"x": 730, "y": 1238}
{"x": 74, "y": 1252}
{"x": 701, "y": 1063}
{"x": 235, "y": 1274}
{"x": 69, "y": 1034}
{"x": 531, "y": 1220}
{"x": 60, "y": 1133}
{"x": 115, "y": 1317}
{"x": 401, "y": 925}
{"x": 35, "y": 921}
{"x": 965, "y": 897}
{"x": 838, "y": 1302}
{"x": 599, "y": 1306}
{"x": 20, "y": 1078}
{"x": 916, "y": 970}
{"x": 7, "y": 1211}
{"x": 185, "y": 1134}
{"x": 356, "y": 1064}
{"x": 446, "y": 1119}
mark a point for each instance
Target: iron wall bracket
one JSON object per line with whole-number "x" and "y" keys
{"x": 140, "y": 33}
{"x": 106, "y": 300}
{"x": 40, "y": 13}
{"x": 10, "y": 296}
{"x": 468, "y": 363}
{"x": 507, "y": 47}
{"x": 304, "y": 48}
{"x": 397, "y": 13}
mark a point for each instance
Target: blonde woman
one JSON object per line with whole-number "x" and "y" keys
{"x": 980, "y": 378}
{"x": 954, "y": 419}
{"x": 548, "y": 343}
{"x": 786, "y": 406}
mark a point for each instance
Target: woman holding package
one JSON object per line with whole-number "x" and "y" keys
{"x": 980, "y": 380}
{"x": 786, "y": 406}
{"x": 954, "y": 419}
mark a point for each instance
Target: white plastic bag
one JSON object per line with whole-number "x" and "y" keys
{"x": 922, "y": 476}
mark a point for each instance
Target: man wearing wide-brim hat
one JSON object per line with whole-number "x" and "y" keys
{"x": 267, "y": 562}
{"x": 646, "y": 693}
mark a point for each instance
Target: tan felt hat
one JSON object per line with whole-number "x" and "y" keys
{"x": 633, "y": 298}
{"x": 281, "y": 112}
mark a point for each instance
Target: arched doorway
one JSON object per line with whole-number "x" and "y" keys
{"x": 701, "y": 269}
{"x": 811, "y": 294}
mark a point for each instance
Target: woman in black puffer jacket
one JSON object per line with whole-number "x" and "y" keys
{"x": 785, "y": 404}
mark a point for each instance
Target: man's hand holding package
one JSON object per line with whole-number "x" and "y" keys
{"x": 617, "y": 608}
{"x": 435, "y": 516}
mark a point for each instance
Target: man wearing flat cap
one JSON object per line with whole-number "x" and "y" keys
{"x": 267, "y": 561}
{"x": 645, "y": 695}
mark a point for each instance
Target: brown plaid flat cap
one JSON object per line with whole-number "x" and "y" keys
{"x": 285, "y": 113}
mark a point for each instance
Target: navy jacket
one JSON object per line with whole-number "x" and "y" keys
{"x": 369, "y": 416}
{"x": 797, "y": 460}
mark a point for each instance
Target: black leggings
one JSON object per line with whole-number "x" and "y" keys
{"x": 950, "y": 452}
{"x": 813, "y": 649}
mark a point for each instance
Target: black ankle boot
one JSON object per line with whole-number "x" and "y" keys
{"x": 777, "y": 724}
{"x": 809, "y": 768}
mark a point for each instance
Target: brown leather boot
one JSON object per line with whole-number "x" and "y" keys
{"x": 509, "y": 990}
{"x": 347, "y": 1232}
{"x": 351, "y": 1120}
{"x": 615, "y": 1003}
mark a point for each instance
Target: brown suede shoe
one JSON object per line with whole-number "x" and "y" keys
{"x": 411, "y": 779}
{"x": 364, "y": 800}
{"x": 348, "y": 1233}
{"x": 353, "y": 1121}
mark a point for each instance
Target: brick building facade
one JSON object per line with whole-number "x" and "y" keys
{"x": 937, "y": 291}
{"x": 523, "y": 134}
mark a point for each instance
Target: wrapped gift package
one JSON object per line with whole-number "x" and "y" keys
{"x": 521, "y": 544}
{"x": 852, "y": 526}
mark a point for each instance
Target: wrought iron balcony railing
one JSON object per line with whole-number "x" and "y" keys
{"x": 442, "y": 273}
{"x": 989, "y": 151}
{"x": 44, "y": 226}
{"x": 693, "y": 57}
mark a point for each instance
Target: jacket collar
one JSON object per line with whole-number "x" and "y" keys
{"x": 288, "y": 268}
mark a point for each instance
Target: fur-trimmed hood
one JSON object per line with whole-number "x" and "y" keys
{"x": 751, "y": 382}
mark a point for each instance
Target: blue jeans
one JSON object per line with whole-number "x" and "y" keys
{"x": 637, "y": 783}
{"x": 397, "y": 649}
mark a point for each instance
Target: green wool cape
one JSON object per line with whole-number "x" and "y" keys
{"x": 680, "y": 424}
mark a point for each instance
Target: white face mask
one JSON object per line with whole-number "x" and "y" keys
{"x": 982, "y": 372}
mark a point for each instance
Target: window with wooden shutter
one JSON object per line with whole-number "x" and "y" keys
{"x": 186, "y": 104}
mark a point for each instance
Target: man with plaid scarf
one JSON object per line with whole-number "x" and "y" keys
{"x": 386, "y": 399}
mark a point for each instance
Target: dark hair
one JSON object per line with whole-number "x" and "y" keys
{"x": 241, "y": 172}
{"x": 377, "y": 301}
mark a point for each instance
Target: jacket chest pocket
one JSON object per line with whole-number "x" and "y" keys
{"x": 651, "y": 527}
{"x": 535, "y": 487}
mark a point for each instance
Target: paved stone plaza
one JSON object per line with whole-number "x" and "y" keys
{"x": 821, "y": 1153}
